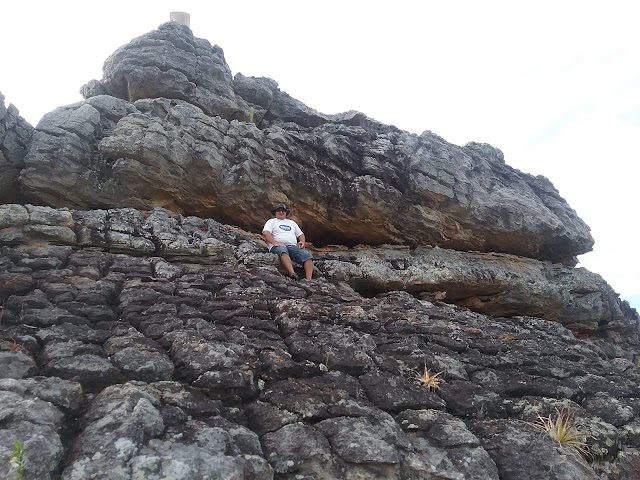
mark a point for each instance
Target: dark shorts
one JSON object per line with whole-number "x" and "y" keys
{"x": 297, "y": 254}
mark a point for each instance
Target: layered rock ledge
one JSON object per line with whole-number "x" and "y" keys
{"x": 493, "y": 284}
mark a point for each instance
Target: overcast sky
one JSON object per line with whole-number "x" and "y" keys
{"x": 554, "y": 84}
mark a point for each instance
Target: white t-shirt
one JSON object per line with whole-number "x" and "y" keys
{"x": 285, "y": 231}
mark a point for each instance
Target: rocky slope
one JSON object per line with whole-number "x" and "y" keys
{"x": 156, "y": 343}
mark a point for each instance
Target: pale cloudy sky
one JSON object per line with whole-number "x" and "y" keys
{"x": 554, "y": 84}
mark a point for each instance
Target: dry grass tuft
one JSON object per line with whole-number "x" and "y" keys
{"x": 429, "y": 380}
{"x": 563, "y": 430}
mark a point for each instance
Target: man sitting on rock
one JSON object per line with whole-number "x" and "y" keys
{"x": 286, "y": 240}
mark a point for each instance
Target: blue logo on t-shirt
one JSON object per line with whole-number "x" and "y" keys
{"x": 286, "y": 228}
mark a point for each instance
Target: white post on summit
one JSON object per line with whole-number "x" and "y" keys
{"x": 183, "y": 18}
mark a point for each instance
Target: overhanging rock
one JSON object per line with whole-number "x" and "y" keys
{"x": 493, "y": 284}
{"x": 349, "y": 184}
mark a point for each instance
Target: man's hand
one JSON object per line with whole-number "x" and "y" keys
{"x": 269, "y": 238}
{"x": 301, "y": 243}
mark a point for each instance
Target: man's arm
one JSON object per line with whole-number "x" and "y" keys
{"x": 269, "y": 238}
{"x": 301, "y": 241}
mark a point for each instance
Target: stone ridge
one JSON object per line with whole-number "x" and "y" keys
{"x": 116, "y": 363}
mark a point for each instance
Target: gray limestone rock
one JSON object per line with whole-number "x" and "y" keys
{"x": 142, "y": 364}
{"x": 15, "y": 134}
{"x": 16, "y": 365}
{"x": 281, "y": 379}
{"x": 494, "y": 284}
{"x": 298, "y": 448}
{"x": 119, "y": 420}
{"x": 519, "y": 452}
{"x": 443, "y": 446}
{"x": 90, "y": 370}
{"x": 171, "y": 63}
{"x": 35, "y": 423}
{"x": 65, "y": 395}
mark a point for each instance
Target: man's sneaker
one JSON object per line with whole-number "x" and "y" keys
{"x": 294, "y": 276}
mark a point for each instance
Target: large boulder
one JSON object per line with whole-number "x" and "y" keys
{"x": 170, "y": 62}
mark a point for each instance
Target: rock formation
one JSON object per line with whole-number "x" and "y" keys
{"x": 352, "y": 179}
{"x": 146, "y": 333}
{"x": 15, "y": 134}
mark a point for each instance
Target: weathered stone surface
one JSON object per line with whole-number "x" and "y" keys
{"x": 393, "y": 393}
{"x": 16, "y": 365}
{"x": 506, "y": 441}
{"x": 14, "y": 283}
{"x": 171, "y": 63}
{"x": 35, "y": 423}
{"x": 15, "y": 134}
{"x": 65, "y": 395}
{"x": 494, "y": 284}
{"x": 42, "y": 224}
{"x": 627, "y": 466}
{"x": 63, "y": 152}
{"x": 300, "y": 448}
{"x": 443, "y": 446}
{"x": 118, "y": 421}
{"x": 142, "y": 364}
{"x": 263, "y": 358}
{"x": 125, "y": 421}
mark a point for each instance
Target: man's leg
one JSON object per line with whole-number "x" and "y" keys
{"x": 286, "y": 263}
{"x": 285, "y": 260}
{"x": 308, "y": 269}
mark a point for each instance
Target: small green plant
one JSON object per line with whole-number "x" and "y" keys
{"x": 429, "y": 380}
{"x": 251, "y": 114}
{"x": 324, "y": 367}
{"x": 17, "y": 461}
{"x": 562, "y": 429}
